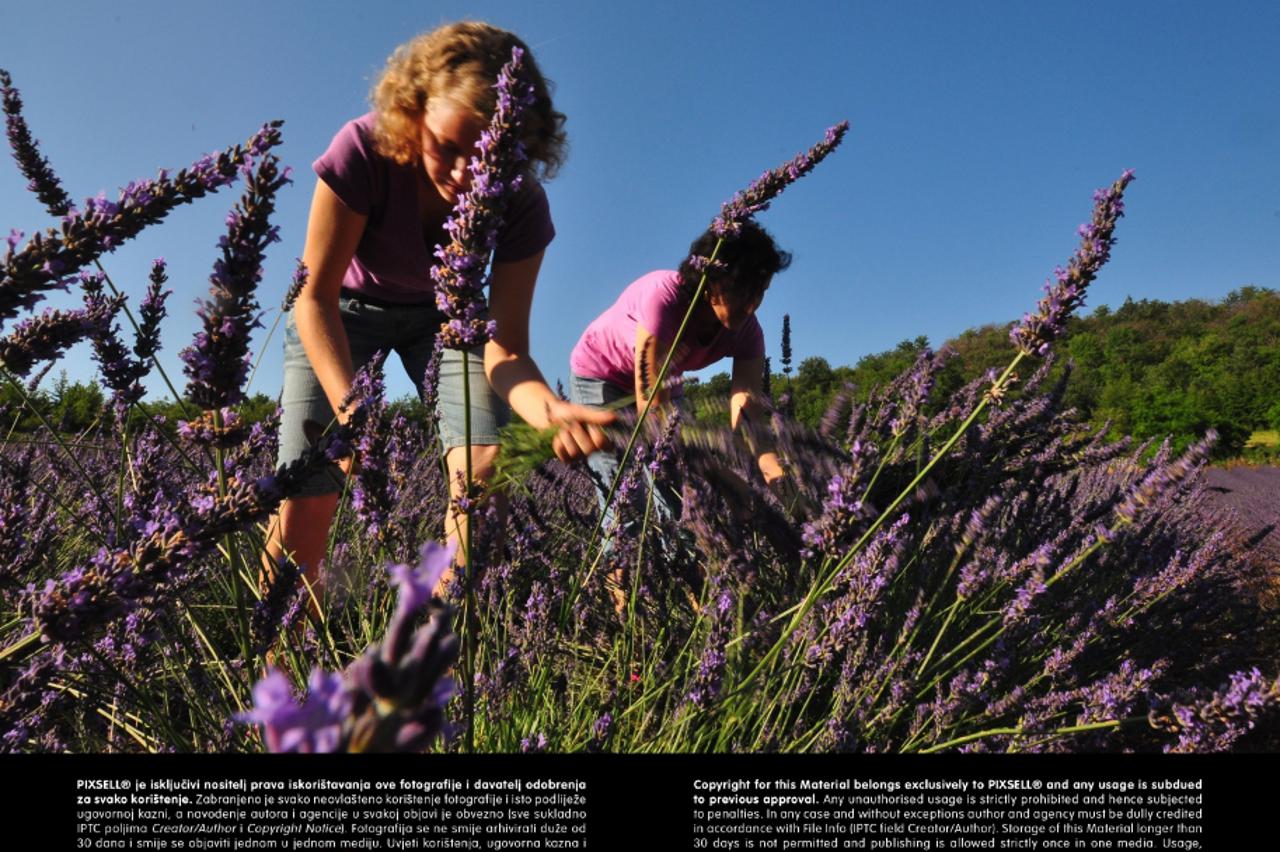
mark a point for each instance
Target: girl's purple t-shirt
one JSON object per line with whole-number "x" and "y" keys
{"x": 393, "y": 259}
{"x": 607, "y": 349}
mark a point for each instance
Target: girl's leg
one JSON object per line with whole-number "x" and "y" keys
{"x": 300, "y": 529}
{"x": 602, "y": 467}
{"x": 487, "y": 414}
{"x": 484, "y": 460}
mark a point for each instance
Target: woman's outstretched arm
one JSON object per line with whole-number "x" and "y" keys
{"x": 516, "y": 378}
{"x": 745, "y": 405}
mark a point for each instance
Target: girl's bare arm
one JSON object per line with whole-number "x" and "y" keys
{"x": 745, "y": 405}
{"x": 516, "y": 378}
{"x": 333, "y": 232}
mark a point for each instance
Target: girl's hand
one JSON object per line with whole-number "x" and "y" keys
{"x": 580, "y": 434}
{"x": 771, "y": 467}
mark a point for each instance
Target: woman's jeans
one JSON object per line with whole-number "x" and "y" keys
{"x": 603, "y": 465}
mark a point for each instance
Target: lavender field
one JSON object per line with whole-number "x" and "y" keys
{"x": 978, "y": 573}
{"x": 1249, "y": 496}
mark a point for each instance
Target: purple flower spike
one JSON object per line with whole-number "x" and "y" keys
{"x": 374, "y": 492}
{"x": 217, "y": 362}
{"x": 35, "y": 168}
{"x": 122, "y": 372}
{"x": 496, "y": 173}
{"x": 1215, "y": 722}
{"x": 47, "y": 335}
{"x": 1066, "y": 291}
{"x": 391, "y": 698}
{"x": 300, "y": 277}
{"x": 314, "y": 726}
{"x": 102, "y": 226}
{"x": 762, "y": 191}
{"x": 418, "y": 582}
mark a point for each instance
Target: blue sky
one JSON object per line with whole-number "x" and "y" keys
{"x": 979, "y": 131}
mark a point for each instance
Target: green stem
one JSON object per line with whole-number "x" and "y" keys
{"x": 996, "y": 732}
{"x": 468, "y": 605}
{"x": 25, "y": 641}
{"x": 242, "y": 608}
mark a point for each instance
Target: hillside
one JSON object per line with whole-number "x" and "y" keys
{"x": 1151, "y": 368}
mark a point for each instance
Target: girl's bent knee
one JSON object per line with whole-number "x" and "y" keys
{"x": 484, "y": 459}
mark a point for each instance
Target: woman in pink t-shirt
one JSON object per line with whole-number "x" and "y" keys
{"x": 385, "y": 188}
{"x": 622, "y": 351}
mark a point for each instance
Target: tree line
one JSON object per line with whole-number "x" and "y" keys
{"x": 1149, "y": 368}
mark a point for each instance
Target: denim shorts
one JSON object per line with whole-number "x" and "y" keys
{"x": 603, "y": 466}
{"x": 409, "y": 331}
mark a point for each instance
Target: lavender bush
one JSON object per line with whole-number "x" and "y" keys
{"x": 979, "y": 573}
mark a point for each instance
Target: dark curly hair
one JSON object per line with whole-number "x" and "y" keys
{"x": 744, "y": 265}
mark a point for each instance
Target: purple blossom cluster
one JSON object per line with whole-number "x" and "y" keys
{"x": 300, "y": 277}
{"x": 757, "y": 196}
{"x": 47, "y": 336}
{"x": 496, "y": 173}
{"x": 218, "y": 360}
{"x": 34, "y": 167}
{"x": 1215, "y": 722}
{"x": 383, "y": 459}
{"x": 49, "y": 260}
{"x": 1066, "y": 291}
{"x": 28, "y": 523}
{"x": 391, "y": 699}
{"x": 123, "y": 370}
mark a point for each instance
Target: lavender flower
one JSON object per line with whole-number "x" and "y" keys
{"x": 28, "y": 522}
{"x": 843, "y": 511}
{"x": 431, "y": 382}
{"x": 1216, "y": 722}
{"x": 152, "y": 312}
{"x": 763, "y": 189}
{"x": 278, "y": 606}
{"x": 600, "y": 731}
{"x": 300, "y": 277}
{"x": 1066, "y": 292}
{"x": 102, "y": 226}
{"x": 473, "y": 228}
{"x": 858, "y": 591}
{"x": 161, "y": 562}
{"x": 121, "y": 371}
{"x": 35, "y": 168}
{"x": 1164, "y": 478}
{"x": 48, "y": 335}
{"x": 218, "y": 360}
{"x": 709, "y": 674}
{"x": 533, "y": 743}
{"x": 314, "y": 726}
{"x": 222, "y": 428}
{"x": 390, "y": 699}
{"x": 786, "y": 345}
{"x": 373, "y": 495}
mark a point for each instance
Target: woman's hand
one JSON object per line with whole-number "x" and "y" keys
{"x": 579, "y": 432}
